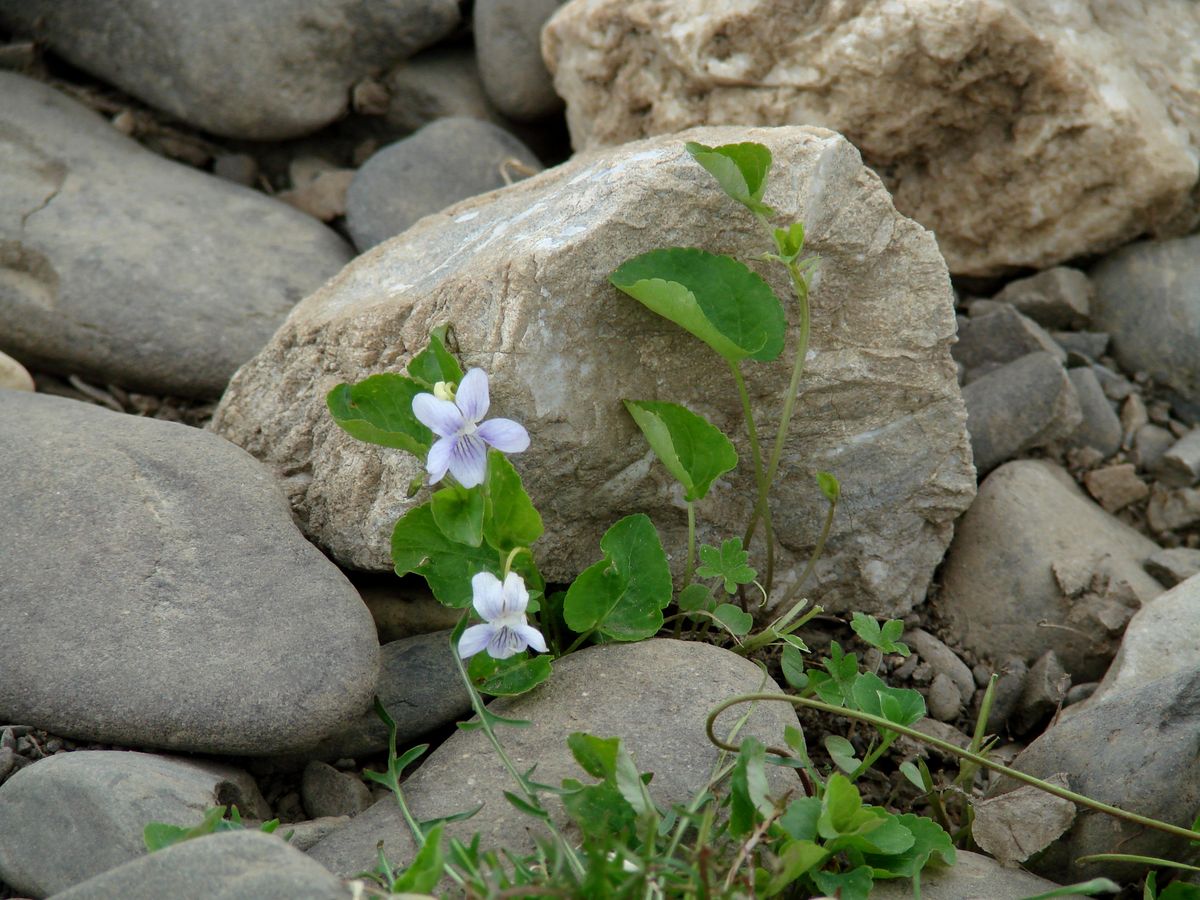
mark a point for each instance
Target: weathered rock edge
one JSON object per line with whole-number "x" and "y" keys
{"x": 521, "y": 273}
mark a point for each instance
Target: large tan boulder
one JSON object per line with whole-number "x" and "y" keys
{"x": 521, "y": 274}
{"x": 1023, "y": 132}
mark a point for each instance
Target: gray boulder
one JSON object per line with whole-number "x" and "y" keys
{"x": 1036, "y": 566}
{"x": 1057, "y": 298}
{"x": 437, "y": 84}
{"x": 156, "y": 592}
{"x": 118, "y": 265}
{"x": 72, "y": 816}
{"x": 972, "y": 877}
{"x": 522, "y": 275}
{"x": 235, "y": 865}
{"x": 654, "y": 695}
{"x": 266, "y": 70}
{"x": 508, "y": 46}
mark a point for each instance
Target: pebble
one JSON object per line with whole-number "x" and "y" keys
{"x": 1043, "y": 693}
{"x": 447, "y": 160}
{"x": 323, "y": 197}
{"x": 942, "y": 659}
{"x": 1100, "y": 428}
{"x": 1180, "y": 465}
{"x": 973, "y": 875}
{"x": 508, "y": 45}
{"x": 1115, "y": 487}
{"x": 1001, "y": 337}
{"x": 1059, "y": 297}
{"x": 325, "y": 791}
{"x": 1172, "y": 566}
{"x": 240, "y": 168}
{"x": 1172, "y": 510}
{"x": 1116, "y": 386}
{"x": 943, "y": 698}
{"x": 441, "y": 83}
{"x": 1091, "y": 345}
{"x": 1007, "y": 693}
{"x": 1150, "y": 444}
{"x": 13, "y": 375}
{"x": 402, "y": 607}
{"x": 1133, "y": 415}
{"x": 1024, "y": 404}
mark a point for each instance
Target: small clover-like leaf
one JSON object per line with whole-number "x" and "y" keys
{"x": 728, "y": 564}
{"x": 736, "y": 620}
{"x": 928, "y": 838}
{"x": 884, "y": 638}
{"x": 378, "y": 410}
{"x": 841, "y": 751}
{"x": 696, "y": 598}
{"x": 693, "y": 450}
{"x": 903, "y": 706}
{"x": 740, "y": 169}
{"x": 435, "y": 363}
{"x": 718, "y": 299}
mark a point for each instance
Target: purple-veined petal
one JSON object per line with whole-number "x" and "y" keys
{"x": 513, "y": 596}
{"x": 487, "y": 595}
{"x": 468, "y": 461}
{"x": 505, "y": 435}
{"x": 439, "y": 458}
{"x": 505, "y": 642}
{"x": 475, "y": 639}
{"x": 472, "y": 395}
{"x": 440, "y": 416}
{"x": 532, "y": 637}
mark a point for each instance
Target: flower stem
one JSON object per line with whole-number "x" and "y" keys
{"x": 691, "y": 550}
{"x": 762, "y": 507}
{"x": 945, "y": 747}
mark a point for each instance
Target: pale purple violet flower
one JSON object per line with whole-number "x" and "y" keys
{"x": 463, "y": 440}
{"x": 502, "y": 607}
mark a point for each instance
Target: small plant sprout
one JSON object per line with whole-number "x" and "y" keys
{"x": 463, "y": 439}
{"x": 502, "y": 606}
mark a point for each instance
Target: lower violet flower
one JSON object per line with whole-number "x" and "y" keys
{"x": 505, "y": 631}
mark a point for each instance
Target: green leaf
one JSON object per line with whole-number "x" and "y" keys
{"x": 1107, "y": 886}
{"x": 1176, "y": 890}
{"x": 794, "y": 738}
{"x": 599, "y": 810}
{"x": 716, "y": 298}
{"x": 829, "y": 485}
{"x": 838, "y": 686}
{"x": 607, "y": 758}
{"x": 736, "y": 620}
{"x": 378, "y": 410}
{"x": 795, "y": 858}
{"x": 740, "y": 169}
{"x": 789, "y": 241}
{"x": 418, "y": 545}
{"x": 928, "y": 838}
{"x": 623, "y": 595}
{"x": 910, "y": 771}
{"x": 508, "y": 677}
{"x": 458, "y": 514}
{"x": 425, "y": 871}
{"x": 158, "y": 835}
{"x": 792, "y": 662}
{"x": 868, "y": 628}
{"x": 903, "y": 706}
{"x": 510, "y": 518}
{"x": 435, "y": 363}
{"x": 696, "y": 598}
{"x": 841, "y": 751}
{"x": 853, "y": 885}
{"x": 799, "y": 820}
{"x": 728, "y": 563}
{"x": 748, "y": 788}
{"x": 693, "y": 450}
{"x": 526, "y": 807}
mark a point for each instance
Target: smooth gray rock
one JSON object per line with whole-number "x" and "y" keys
{"x": 1057, "y": 298}
{"x": 437, "y": 84}
{"x": 1135, "y": 749}
{"x": 1021, "y": 405}
{"x": 1000, "y": 337}
{"x": 1044, "y": 692}
{"x": 1090, "y": 345}
{"x": 1032, "y": 549}
{"x": 420, "y": 687}
{"x": 156, "y": 592}
{"x": 446, "y": 161}
{"x": 654, "y": 695}
{"x": 123, "y": 267}
{"x": 402, "y": 607}
{"x": 234, "y": 865}
{"x": 266, "y": 70}
{"x": 945, "y": 702}
{"x": 13, "y": 375}
{"x": 1146, "y": 297}
{"x": 1150, "y": 444}
{"x": 1180, "y": 465}
{"x": 973, "y": 877}
{"x": 508, "y": 45}
{"x": 1100, "y": 427}
{"x": 326, "y": 792}
{"x": 1170, "y": 567}
{"x": 72, "y": 816}
{"x": 942, "y": 659}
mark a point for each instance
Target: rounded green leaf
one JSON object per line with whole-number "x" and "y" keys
{"x": 740, "y": 169}
{"x": 693, "y": 450}
{"x": 378, "y": 410}
{"x": 419, "y": 545}
{"x": 435, "y": 363}
{"x": 458, "y": 512}
{"x": 718, "y": 299}
{"x": 508, "y": 677}
{"x": 511, "y": 520}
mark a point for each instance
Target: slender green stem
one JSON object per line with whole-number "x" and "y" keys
{"x": 508, "y": 560}
{"x": 691, "y": 550}
{"x": 762, "y": 507}
{"x": 575, "y": 644}
{"x": 966, "y": 772}
{"x": 945, "y": 747}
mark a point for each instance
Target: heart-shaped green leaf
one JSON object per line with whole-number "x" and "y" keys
{"x": 419, "y": 545}
{"x": 435, "y": 363}
{"x": 458, "y": 513}
{"x": 736, "y": 620}
{"x": 740, "y": 169}
{"x": 511, "y": 520}
{"x": 716, "y": 298}
{"x": 623, "y": 595}
{"x": 378, "y": 410}
{"x": 693, "y": 450}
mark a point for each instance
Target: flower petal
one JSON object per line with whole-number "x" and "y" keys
{"x": 468, "y": 461}
{"x": 472, "y": 395}
{"x": 505, "y": 435}
{"x": 487, "y": 595}
{"x": 532, "y": 637}
{"x": 505, "y": 642}
{"x": 439, "y": 458}
{"x": 440, "y": 416}
{"x": 475, "y": 639}
{"x": 513, "y": 596}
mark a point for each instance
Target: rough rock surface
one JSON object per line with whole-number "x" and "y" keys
{"x": 236, "y": 865}
{"x": 522, "y": 275}
{"x": 118, "y": 265}
{"x": 1033, "y": 549}
{"x": 157, "y": 593}
{"x": 973, "y": 877}
{"x": 264, "y": 71}
{"x": 13, "y": 375}
{"x": 1146, "y": 298}
{"x": 72, "y": 816}
{"x": 1023, "y": 132}
{"x": 654, "y": 695}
